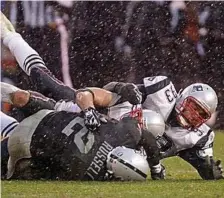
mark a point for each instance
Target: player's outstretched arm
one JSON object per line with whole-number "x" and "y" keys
{"x": 28, "y": 101}
{"x": 207, "y": 167}
{"x": 32, "y": 64}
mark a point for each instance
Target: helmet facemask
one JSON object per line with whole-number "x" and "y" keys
{"x": 137, "y": 114}
{"x": 192, "y": 113}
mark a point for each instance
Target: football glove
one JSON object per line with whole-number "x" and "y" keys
{"x": 93, "y": 119}
{"x": 158, "y": 175}
{"x": 131, "y": 93}
{"x": 217, "y": 170}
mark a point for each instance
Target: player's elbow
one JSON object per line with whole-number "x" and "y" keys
{"x": 84, "y": 99}
{"x": 20, "y": 98}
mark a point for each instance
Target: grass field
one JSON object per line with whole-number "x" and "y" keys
{"x": 182, "y": 181}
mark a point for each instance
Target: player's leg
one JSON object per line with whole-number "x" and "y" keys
{"x": 32, "y": 64}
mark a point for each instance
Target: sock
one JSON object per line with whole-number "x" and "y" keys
{"x": 26, "y": 56}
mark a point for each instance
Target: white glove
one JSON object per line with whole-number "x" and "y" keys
{"x": 93, "y": 119}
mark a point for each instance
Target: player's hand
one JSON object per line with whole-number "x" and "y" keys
{"x": 93, "y": 119}
{"x": 217, "y": 170}
{"x": 214, "y": 170}
{"x": 155, "y": 175}
{"x": 131, "y": 93}
{"x": 6, "y": 26}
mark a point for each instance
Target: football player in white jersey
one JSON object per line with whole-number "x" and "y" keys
{"x": 185, "y": 114}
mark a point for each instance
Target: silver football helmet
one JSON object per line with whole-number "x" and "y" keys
{"x": 153, "y": 122}
{"x": 195, "y": 105}
{"x": 148, "y": 119}
{"x": 127, "y": 164}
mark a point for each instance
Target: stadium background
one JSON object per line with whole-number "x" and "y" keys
{"x": 93, "y": 43}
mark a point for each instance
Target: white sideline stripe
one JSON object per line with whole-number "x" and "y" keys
{"x": 64, "y": 52}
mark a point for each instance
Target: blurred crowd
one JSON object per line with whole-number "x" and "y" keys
{"x": 90, "y": 43}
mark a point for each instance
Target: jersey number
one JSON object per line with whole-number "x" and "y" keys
{"x": 84, "y": 147}
{"x": 170, "y": 93}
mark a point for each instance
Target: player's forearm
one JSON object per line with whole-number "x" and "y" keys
{"x": 28, "y": 101}
{"x": 93, "y": 97}
{"x": 102, "y": 97}
{"x": 13, "y": 95}
{"x": 149, "y": 144}
{"x": 207, "y": 168}
{"x": 36, "y": 102}
{"x": 114, "y": 87}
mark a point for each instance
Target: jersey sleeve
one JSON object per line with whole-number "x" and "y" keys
{"x": 7, "y": 124}
{"x": 201, "y": 157}
{"x": 148, "y": 142}
{"x": 46, "y": 83}
{"x": 160, "y": 95}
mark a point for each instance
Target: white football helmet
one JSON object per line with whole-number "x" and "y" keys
{"x": 127, "y": 164}
{"x": 195, "y": 105}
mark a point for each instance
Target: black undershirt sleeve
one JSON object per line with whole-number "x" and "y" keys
{"x": 46, "y": 83}
{"x": 149, "y": 144}
{"x": 37, "y": 102}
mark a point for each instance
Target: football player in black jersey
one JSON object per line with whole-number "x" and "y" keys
{"x": 57, "y": 145}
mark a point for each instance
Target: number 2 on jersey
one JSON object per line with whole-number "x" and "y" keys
{"x": 84, "y": 147}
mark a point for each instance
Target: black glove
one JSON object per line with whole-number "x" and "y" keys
{"x": 217, "y": 170}
{"x": 93, "y": 119}
{"x": 131, "y": 93}
{"x": 214, "y": 169}
{"x": 155, "y": 175}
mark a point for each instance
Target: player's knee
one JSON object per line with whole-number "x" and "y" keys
{"x": 20, "y": 98}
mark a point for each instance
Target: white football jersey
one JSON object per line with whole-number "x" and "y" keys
{"x": 119, "y": 110}
{"x": 69, "y": 106}
{"x": 185, "y": 139}
{"x": 7, "y": 125}
{"x": 161, "y": 95}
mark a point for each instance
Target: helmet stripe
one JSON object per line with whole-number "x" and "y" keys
{"x": 128, "y": 165}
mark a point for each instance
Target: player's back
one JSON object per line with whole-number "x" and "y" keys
{"x": 62, "y": 147}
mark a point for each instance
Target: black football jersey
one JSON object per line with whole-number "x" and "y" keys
{"x": 63, "y": 147}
